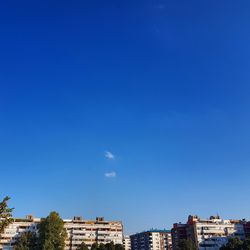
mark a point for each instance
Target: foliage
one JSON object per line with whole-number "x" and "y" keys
{"x": 5, "y": 214}
{"x": 187, "y": 245}
{"x": 237, "y": 244}
{"x": 108, "y": 246}
{"x": 83, "y": 246}
{"x": 246, "y": 244}
{"x": 27, "y": 241}
{"x": 119, "y": 247}
{"x": 94, "y": 246}
{"x": 101, "y": 247}
{"x": 52, "y": 234}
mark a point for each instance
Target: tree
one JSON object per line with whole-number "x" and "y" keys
{"x": 110, "y": 246}
{"x": 187, "y": 245}
{"x": 101, "y": 247}
{"x": 27, "y": 241}
{"x": 233, "y": 244}
{"x": 83, "y": 246}
{"x": 94, "y": 246}
{"x": 107, "y": 246}
{"x": 5, "y": 214}
{"x": 52, "y": 234}
{"x": 237, "y": 244}
{"x": 246, "y": 244}
{"x": 119, "y": 247}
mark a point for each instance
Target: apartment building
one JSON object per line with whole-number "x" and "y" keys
{"x": 178, "y": 233}
{"x": 92, "y": 231}
{"x": 152, "y": 240}
{"x": 78, "y": 231}
{"x": 246, "y": 226}
{"x": 13, "y": 231}
{"x": 208, "y": 234}
{"x": 126, "y": 242}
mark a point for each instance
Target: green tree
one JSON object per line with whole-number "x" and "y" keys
{"x": 107, "y": 246}
{"x": 246, "y": 244}
{"x": 101, "y": 247}
{"x": 83, "y": 246}
{"x": 119, "y": 247}
{"x": 233, "y": 244}
{"x": 110, "y": 246}
{"x": 52, "y": 234}
{"x": 187, "y": 245}
{"x": 5, "y": 214}
{"x": 27, "y": 241}
{"x": 94, "y": 246}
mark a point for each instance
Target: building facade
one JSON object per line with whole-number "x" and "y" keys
{"x": 207, "y": 234}
{"x": 179, "y": 233}
{"x": 126, "y": 242}
{"x": 14, "y": 230}
{"x": 78, "y": 231}
{"x": 92, "y": 231}
{"x": 152, "y": 240}
{"x": 247, "y": 229}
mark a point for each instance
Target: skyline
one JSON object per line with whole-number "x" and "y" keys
{"x": 121, "y": 109}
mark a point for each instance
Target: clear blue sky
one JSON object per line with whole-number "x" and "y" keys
{"x": 163, "y": 85}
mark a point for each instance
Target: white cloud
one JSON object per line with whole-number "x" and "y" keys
{"x": 110, "y": 174}
{"x": 109, "y": 155}
{"x": 160, "y": 6}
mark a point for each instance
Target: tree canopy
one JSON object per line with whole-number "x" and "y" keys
{"x": 187, "y": 245}
{"x": 83, "y": 246}
{"x": 237, "y": 244}
{"x": 107, "y": 246}
{"x": 27, "y": 241}
{"x": 52, "y": 234}
{"x": 5, "y": 214}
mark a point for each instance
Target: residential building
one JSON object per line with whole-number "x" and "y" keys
{"x": 92, "y": 231}
{"x": 14, "y": 230}
{"x": 126, "y": 242}
{"x": 178, "y": 232}
{"x": 152, "y": 240}
{"x": 247, "y": 229}
{"x": 208, "y": 234}
{"x": 78, "y": 231}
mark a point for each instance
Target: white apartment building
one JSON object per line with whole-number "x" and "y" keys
{"x": 78, "y": 231}
{"x": 126, "y": 242}
{"x": 152, "y": 240}
{"x": 92, "y": 231}
{"x": 19, "y": 226}
{"x": 213, "y": 233}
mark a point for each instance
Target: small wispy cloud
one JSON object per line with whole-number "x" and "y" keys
{"x": 110, "y": 174}
{"x": 160, "y": 6}
{"x": 109, "y": 155}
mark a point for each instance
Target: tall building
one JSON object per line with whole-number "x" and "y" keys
{"x": 207, "y": 234}
{"x": 247, "y": 228}
{"x": 78, "y": 231}
{"x": 14, "y": 230}
{"x": 152, "y": 240}
{"x": 126, "y": 242}
{"x": 178, "y": 232}
{"x": 92, "y": 231}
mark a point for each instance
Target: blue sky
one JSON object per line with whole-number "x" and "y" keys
{"x": 132, "y": 110}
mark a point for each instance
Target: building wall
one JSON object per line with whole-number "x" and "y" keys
{"x": 14, "y": 230}
{"x": 78, "y": 231}
{"x": 126, "y": 243}
{"x": 89, "y": 232}
{"x": 207, "y": 234}
{"x": 178, "y": 232}
{"x": 151, "y": 240}
{"x": 247, "y": 229}
{"x": 215, "y": 232}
